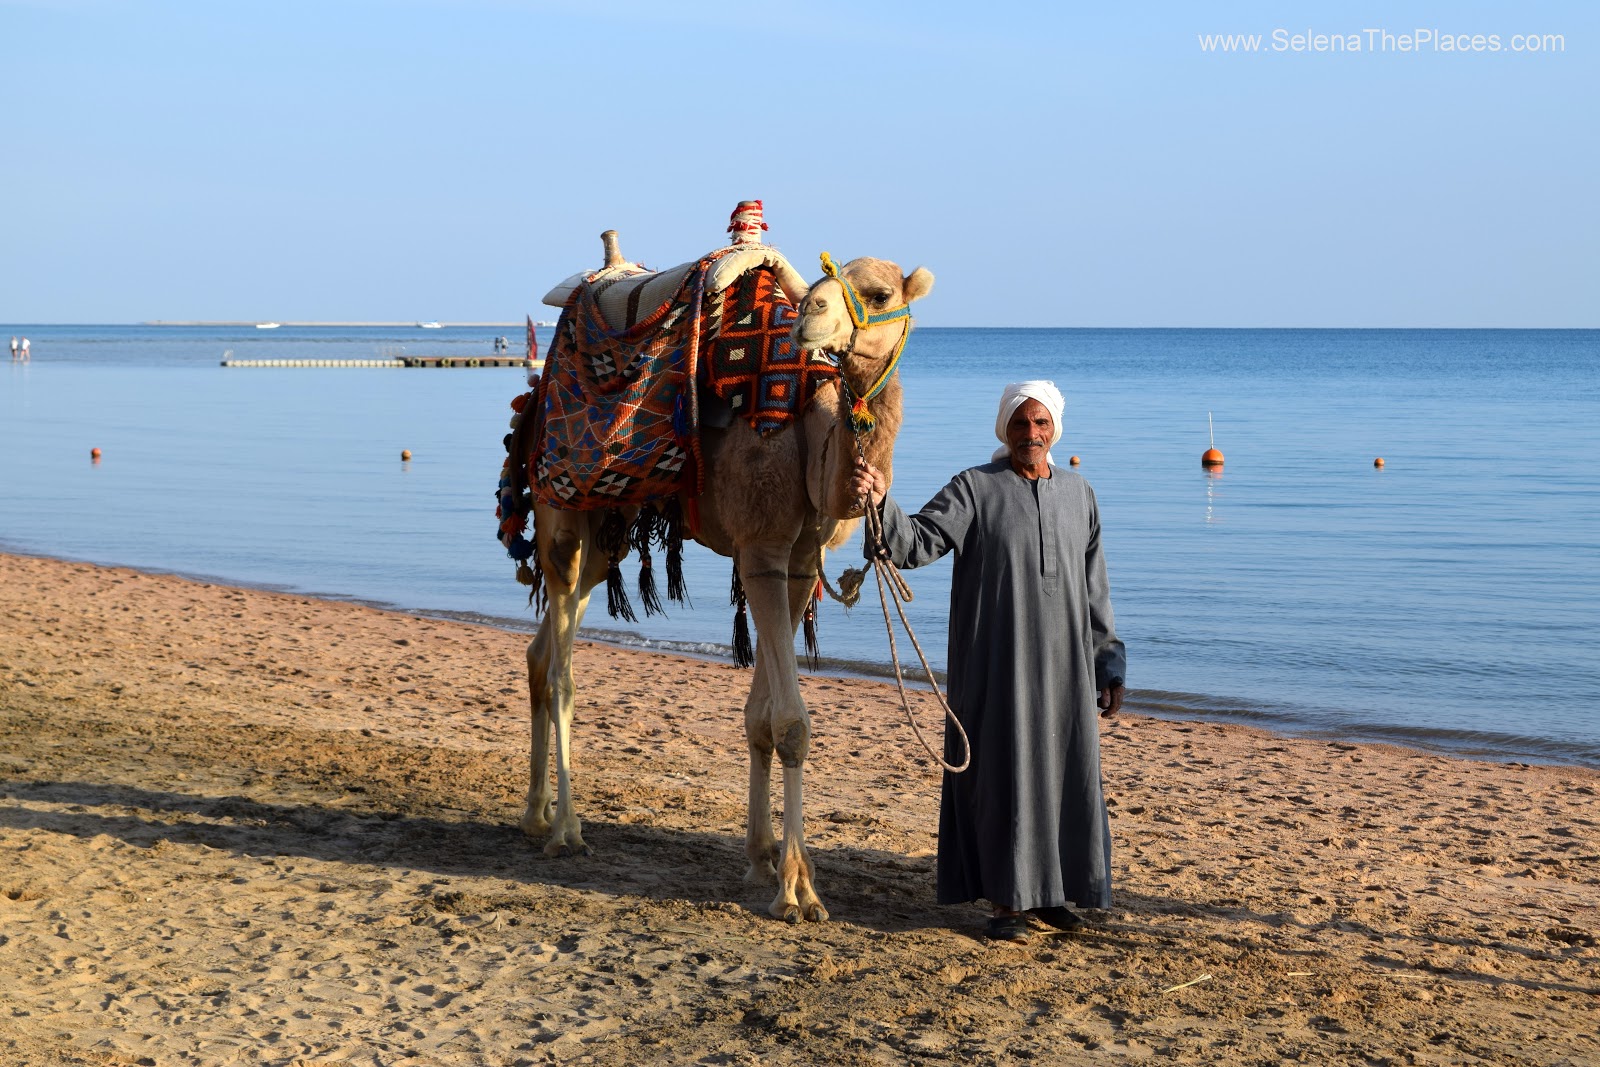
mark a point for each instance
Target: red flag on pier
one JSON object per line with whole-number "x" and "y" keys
{"x": 533, "y": 342}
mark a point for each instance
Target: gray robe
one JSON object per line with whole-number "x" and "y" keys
{"x": 1031, "y": 642}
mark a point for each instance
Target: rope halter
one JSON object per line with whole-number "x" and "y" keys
{"x": 861, "y": 420}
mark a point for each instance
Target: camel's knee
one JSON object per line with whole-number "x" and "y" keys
{"x": 794, "y": 743}
{"x": 563, "y": 561}
{"x": 563, "y": 692}
{"x": 758, "y": 736}
{"x": 538, "y": 667}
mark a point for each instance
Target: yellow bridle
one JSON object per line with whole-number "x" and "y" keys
{"x": 861, "y": 420}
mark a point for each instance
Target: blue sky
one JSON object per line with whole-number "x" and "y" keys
{"x": 1053, "y": 167}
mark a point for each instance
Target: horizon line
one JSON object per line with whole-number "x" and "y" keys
{"x": 414, "y": 324}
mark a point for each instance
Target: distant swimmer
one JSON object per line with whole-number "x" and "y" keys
{"x": 13, "y": 347}
{"x": 24, "y": 350}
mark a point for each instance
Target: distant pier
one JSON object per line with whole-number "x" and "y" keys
{"x": 386, "y": 325}
{"x": 445, "y": 362}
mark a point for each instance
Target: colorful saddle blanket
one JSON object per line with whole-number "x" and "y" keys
{"x": 752, "y": 361}
{"x": 619, "y": 419}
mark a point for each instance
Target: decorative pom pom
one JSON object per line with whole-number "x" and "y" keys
{"x": 861, "y": 420}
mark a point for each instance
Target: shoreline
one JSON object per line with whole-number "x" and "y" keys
{"x": 1166, "y": 706}
{"x": 254, "y": 827}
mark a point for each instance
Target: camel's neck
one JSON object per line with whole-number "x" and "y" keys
{"x": 877, "y": 445}
{"x": 862, "y": 373}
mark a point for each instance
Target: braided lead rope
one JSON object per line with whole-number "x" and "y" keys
{"x": 850, "y": 582}
{"x": 886, "y": 571}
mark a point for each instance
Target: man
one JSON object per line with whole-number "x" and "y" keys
{"x": 13, "y": 347}
{"x": 24, "y": 350}
{"x": 1033, "y": 653}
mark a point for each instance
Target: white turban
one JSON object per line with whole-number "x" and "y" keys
{"x": 1045, "y": 393}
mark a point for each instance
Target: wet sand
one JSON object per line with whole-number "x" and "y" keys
{"x": 244, "y": 827}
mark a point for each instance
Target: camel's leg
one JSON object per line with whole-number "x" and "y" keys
{"x": 566, "y": 832}
{"x": 535, "y": 820}
{"x": 764, "y": 569}
{"x": 760, "y": 846}
{"x": 571, "y": 570}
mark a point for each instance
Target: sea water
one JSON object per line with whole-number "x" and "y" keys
{"x": 1450, "y": 599}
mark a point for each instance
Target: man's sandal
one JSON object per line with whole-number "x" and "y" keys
{"x": 1061, "y": 918}
{"x": 1013, "y": 928}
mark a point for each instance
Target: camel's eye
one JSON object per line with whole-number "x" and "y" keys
{"x": 879, "y": 296}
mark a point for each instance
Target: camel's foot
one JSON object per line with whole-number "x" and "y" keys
{"x": 535, "y": 821}
{"x": 567, "y": 839}
{"x": 792, "y": 910}
{"x": 763, "y": 855}
{"x": 811, "y": 909}
{"x": 797, "y": 898}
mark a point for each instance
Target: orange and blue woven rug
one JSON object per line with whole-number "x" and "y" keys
{"x": 618, "y": 417}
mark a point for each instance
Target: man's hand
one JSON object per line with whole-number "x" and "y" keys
{"x": 868, "y": 481}
{"x": 1110, "y": 701}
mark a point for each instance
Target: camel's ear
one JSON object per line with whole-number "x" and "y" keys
{"x": 917, "y": 284}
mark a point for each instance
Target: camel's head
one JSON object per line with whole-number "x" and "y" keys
{"x": 826, "y": 321}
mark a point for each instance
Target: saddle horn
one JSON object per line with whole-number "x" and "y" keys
{"x": 613, "y": 250}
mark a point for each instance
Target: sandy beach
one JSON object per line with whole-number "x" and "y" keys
{"x": 245, "y": 827}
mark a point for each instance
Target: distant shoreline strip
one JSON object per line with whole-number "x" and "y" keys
{"x": 403, "y": 361}
{"x": 385, "y": 325}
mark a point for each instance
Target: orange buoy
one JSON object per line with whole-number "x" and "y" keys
{"x": 1378, "y": 462}
{"x": 405, "y": 455}
{"x": 1212, "y": 457}
{"x": 94, "y": 453}
{"x": 1074, "y": 461}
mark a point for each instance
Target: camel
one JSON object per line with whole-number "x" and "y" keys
{"x": 773, "y": 504}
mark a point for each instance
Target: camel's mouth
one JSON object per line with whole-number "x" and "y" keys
{"x": 817, "y": 333}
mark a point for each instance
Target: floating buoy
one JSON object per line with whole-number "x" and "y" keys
{"x": 405, "y": 455}
{"x": 94, "y": 453}
{"x": 1211, "y": 457}
{"x": 1074, "y": 461}
{"x": 1378, "y": 462}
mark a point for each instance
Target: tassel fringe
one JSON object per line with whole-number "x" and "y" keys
{"x": 612, "y": 539}
{"x": 647, "y": 589}
{"x": 743, "y": 654}
{"x": 535, "y": 568}
{"x": 813, "y": 650}
{"x": 645, "y": 529}
{"x": 657, "y": 526}
{"x": 672, "y": 533}
{"x": 617, "y": 595}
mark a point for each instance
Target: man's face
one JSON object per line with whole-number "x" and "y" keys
{"x": 1029, "y": 432}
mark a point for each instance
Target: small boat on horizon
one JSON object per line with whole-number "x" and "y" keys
{"x": 266, "y": 326}
{"x": 429, "y": 326}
